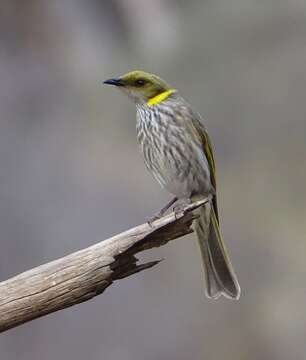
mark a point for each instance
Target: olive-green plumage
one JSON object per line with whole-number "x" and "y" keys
{"x": 178, "y": 152}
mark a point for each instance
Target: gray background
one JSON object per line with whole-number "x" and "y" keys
{"x": 71, "y": 174}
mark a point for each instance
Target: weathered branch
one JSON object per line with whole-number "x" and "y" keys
{"x": 86, "y": 273}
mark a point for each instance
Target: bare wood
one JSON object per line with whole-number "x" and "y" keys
{"x": 86, "y": 273}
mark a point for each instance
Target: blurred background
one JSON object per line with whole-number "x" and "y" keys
{"x": 71, "y": 173}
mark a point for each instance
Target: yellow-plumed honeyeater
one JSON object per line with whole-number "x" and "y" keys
{"x": 178, "y": 152}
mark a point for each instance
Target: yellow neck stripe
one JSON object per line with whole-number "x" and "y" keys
{"x": 155, "y": 100}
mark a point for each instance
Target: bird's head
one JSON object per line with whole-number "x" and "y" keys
{"x": 142, "y": 87}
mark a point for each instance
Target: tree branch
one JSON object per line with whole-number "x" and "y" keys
{"x": 86, "y": 273}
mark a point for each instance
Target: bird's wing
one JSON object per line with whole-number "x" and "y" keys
{"x": 203, "y": 137}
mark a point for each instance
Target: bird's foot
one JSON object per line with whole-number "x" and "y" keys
{"x": 153, "y": 218}
{"x": 161, "y": 213}
{"x": 179, "y": 208}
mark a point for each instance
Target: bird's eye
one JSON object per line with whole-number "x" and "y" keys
{"x": 140, "y": 82}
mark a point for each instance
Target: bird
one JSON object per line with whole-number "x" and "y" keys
{"x": 178, "y": 152}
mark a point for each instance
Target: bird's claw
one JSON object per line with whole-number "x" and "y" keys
{"x": 179, "y": 210}
{"x": 151, "y": 220}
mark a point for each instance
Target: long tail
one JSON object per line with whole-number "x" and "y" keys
{"x": 219, "y": 273}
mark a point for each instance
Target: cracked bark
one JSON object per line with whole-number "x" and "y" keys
{"x": 84, "y": 274}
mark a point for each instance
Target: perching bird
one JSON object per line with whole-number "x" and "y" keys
{"x": 178, "y": 152}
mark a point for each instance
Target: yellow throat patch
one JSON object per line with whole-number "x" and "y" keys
{"x": 155, "y": 100}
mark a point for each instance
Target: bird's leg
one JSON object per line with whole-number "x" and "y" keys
{"x": 163, "y": 210}
{"x": 180, "y": 207}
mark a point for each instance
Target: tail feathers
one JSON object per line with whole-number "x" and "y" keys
{"x": 219, "y": 273}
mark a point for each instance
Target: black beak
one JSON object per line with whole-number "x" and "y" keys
{"x": 116, "y": 82}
